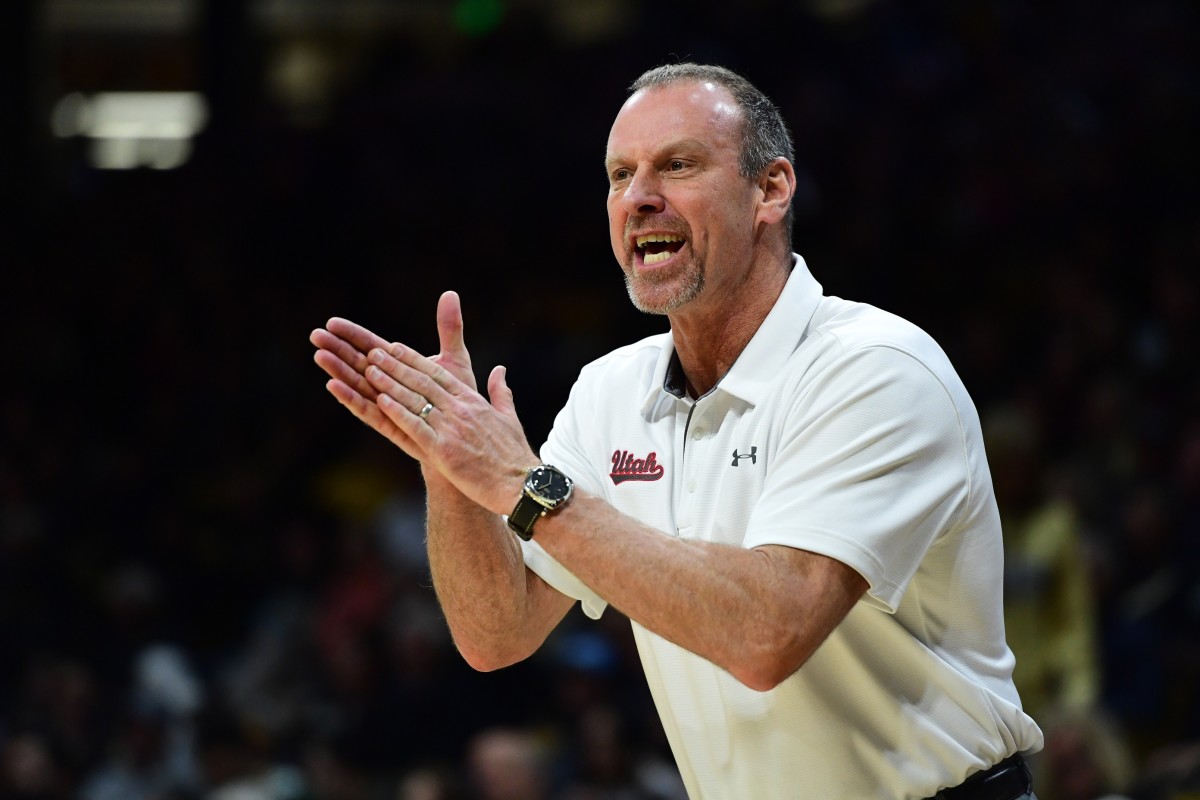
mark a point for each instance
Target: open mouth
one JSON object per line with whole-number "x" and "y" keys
{"x": 658, "y": 247}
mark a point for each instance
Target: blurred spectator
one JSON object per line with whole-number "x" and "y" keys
{"x": 427, "y": 783}
{"x": 1143, "y": 587}
{"x": 28, "y": 770}
{"x": 606, "y": 767}
{"x": 507, "y": 764}
{"x": 61, "y": 714}
{"x": 1086, "y": 758}
{"x": 271, "y": 681}
{"x": 1049, "y": 605}
{"x": 149, "y": 762}
{"x": 236, "y": 766}
{"x": 1172, "y": 773}
{"x": 155, "y": 756}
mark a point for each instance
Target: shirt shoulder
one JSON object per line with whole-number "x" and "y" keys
{"x": 852, "y": 326}
{"x": 846, "y": 330}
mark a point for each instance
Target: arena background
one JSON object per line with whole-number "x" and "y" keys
{"x": 211, "y": 576}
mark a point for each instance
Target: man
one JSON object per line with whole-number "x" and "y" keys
{"x": 787, "y": 493}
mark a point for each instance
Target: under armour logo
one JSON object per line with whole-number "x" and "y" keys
{"x": 752, "y": 455}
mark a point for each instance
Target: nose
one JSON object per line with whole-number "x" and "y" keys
{"x": 643, "y": 194}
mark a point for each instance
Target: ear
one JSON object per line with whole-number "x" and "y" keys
{"x": 776, "y": 185}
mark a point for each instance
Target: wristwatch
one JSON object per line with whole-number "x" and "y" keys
{"x": 546, "y": 488}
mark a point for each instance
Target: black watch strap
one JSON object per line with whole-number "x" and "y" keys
{"x": 526, "y": 512}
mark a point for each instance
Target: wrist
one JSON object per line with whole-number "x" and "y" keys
{"x": 432, "y": 477}
{"x": 544, "y": 490}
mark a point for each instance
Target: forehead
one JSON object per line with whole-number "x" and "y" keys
{"x": 699, "y": 111}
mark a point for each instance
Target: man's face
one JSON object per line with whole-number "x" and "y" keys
{"x": 681, "y": 216}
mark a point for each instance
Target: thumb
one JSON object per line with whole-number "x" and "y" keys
{"x": 450, "y": 327}
{"x": 498, "y": 392}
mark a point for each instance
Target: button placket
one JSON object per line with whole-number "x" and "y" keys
{"x": 683, "y": 519}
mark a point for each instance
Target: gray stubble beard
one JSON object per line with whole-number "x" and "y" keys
{"x": 689, "y": 292}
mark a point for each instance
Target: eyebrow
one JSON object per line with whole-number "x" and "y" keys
{"x": 687, "y": 145}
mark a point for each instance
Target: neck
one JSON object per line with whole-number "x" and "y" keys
{"x": 709, "y": 336}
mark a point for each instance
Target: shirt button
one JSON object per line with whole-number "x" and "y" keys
{"x": 691, "y": 485}
{"x": 698, "y": 434}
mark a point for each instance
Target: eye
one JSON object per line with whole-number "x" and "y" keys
{"x": 619, "y": 174}
{"x": 676, "y": 165}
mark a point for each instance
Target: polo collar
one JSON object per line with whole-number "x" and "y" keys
{"x": 764, "y": 356}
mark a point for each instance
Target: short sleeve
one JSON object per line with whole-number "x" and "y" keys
{"x": 870, "y": 470}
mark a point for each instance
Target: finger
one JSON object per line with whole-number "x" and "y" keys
{"x": 324, "y": 340}
{"x": 406, "y": 386}
{"x": 499, "y": 392}
{"x": 450, "y": 327}
{"x": 359, "y": 406}
{"x": 342, "y": 361}
{"x": 421, "y": 436}
{"x": 421, "y": 374}
{"x": 339, "y": 370}
{"x": 356, "y": 335}
{"x": 392, "y": 382}
{"x": 371, "y": 414}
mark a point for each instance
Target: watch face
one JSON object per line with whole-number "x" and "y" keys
{"x": 548, "y": 484}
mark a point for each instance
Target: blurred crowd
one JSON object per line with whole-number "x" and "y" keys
{"x": 212, "y": 578}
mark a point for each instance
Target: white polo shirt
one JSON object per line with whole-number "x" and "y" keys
{"x": 842, "y": 430}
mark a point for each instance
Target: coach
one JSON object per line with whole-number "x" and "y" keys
{"x": 787, "y": 493}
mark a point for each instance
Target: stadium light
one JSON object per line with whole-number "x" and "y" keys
{"x": 133, "y": 129}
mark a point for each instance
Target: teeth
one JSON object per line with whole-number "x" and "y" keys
{"x": 658, "y": 237}
{"x": 653, "y": 258}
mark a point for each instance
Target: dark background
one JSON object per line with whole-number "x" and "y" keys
{"x": 179, "y": 495}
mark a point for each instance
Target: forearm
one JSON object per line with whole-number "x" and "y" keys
{"x": 757, "y": 613}
{"x": 498, "y": 611}
{"x": 492, "y": 603}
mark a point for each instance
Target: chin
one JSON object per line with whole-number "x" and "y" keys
{"x": 652, "y": 298}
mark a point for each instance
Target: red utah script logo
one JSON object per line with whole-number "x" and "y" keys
{"x": 627, "y": 467}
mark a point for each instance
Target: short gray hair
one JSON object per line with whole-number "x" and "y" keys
{"x": 765, "y": 136}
